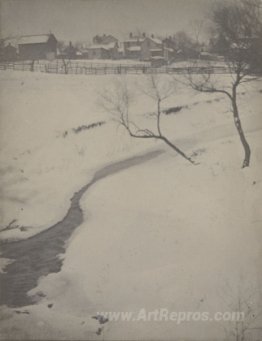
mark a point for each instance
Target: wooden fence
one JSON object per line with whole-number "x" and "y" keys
{"x": 78, "y": 68}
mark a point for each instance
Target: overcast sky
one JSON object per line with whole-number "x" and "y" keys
{"x": 80, "y": 20}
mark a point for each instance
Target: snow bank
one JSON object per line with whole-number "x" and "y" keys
{"x": 163, "y": 234}
{"x": 43, "y": 162}
{"x": 160, "y": 235}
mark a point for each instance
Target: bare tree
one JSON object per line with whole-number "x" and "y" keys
{"x": 187, "y": 46}
{"x": 32, "y": 65}
{"x": 66, "y": 54}
{"x": 7, "y": 51}
{"x": 66, "y": 64}
{"x": 240, "y": 25}
{"x": 117, "y": 102}
{"x": 197, "y": 27}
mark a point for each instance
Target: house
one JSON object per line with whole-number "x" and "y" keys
{"x": 98, "y": 52}
{"x": 103, "y": 51}
{"x": 144, "y": 48}
{"x": 151, "y": 48}
{"x": 67, "y": 52}
{"x": 169, "y": 54}
{"x": 104, "y": 47}
{"x": 43, "y": 46}
{"x": 169, "y": 46}
{"x": 121, "y": 51}
{"x": 132, "y": 46}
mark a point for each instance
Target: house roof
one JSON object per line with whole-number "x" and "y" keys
{"x": 204, "y": 53}
{"x": 156, "y": 50}
{"x": 157, "y": 57}
{"x": 12, "y": 41}
{"x": 168, "y": 49}
{"x": 156, "y": 40}
{"x": 134, "y": 40}
{"x": 34, "y": 39}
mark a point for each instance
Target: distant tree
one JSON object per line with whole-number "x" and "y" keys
{"x": 61, "y": 45}
{"x": 218, "y": 44}
{"x": 239, "y": 25}
{"x": 185, "y": 45}
{"x": 197, "y": 28}
{"x": 66, "y": 54}
{"x": 238, "y": 31}
{"x": 7, "y": 51}
{"x": 117, "y": 101}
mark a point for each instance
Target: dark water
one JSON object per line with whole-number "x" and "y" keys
{"x": 39, "y": 255}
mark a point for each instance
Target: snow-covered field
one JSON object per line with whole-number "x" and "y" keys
{"x": 163, "y": 234}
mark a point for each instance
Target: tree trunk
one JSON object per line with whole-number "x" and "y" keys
{"x": 65, "y": 67}
{"x": 243, "y": 140}
{"x": 163, "y": 138}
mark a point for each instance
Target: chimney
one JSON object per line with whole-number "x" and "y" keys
{"x": 130, "y": 35}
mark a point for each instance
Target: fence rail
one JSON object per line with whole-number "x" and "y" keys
{"x": 57, "y": 67}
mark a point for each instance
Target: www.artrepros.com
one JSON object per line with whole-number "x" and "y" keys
{"x": 164, "y": 314}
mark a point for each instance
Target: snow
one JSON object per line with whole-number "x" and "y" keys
{"x": 33, "y": 39}
{"x": 135, "y": 40}
{"x": 102, "y": 46}
{"x": 156, "y": 40}
{"x": 163, "y": 234}
{"x": 134, "y": 48}
{"x": 37, "y": 184}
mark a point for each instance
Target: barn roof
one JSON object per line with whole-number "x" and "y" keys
{"x": 12, "y": 41}
{"x": 34, "y": 39}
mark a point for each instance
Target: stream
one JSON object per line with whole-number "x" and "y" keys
{"x": 38, "y": 255}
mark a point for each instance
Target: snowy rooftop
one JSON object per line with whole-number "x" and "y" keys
{"x": 168, "y": 49}
{"x": 134, "y": 48}
{"x": 34, "y": 39}
{"x": 131, "y": 40}
{"x": 156, "y": 50}
{"x": 156, "y": 40}
{"x": 12, "y": 41}
{"x": 157, "y": 57}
